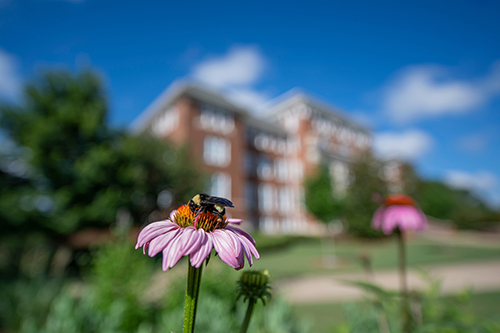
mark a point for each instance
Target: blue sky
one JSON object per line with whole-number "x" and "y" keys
{"x": 424, "y": 75}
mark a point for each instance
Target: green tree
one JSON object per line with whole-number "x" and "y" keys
{"x": 320, "y": 197}
{"x": 80, "y": 170}
{"x": 360, "y": 204}
{"x": 464, "y": 208}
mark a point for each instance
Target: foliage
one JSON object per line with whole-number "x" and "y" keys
{"x": 431, "y": 313}
{"x": 63, "y": 168}
{"x": 464, "y": 208}
{"x": 360, "y": 205}
{"x": 26, "y": 302}
{"x": 117, "y": 296}
{"x": 80, "y": 171}
{"x": 320, "y": 197}
{"x": 219, "y": 311}
{"x": 113, "y": 281}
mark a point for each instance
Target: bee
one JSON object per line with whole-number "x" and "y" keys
{"x": 205, "y": 203}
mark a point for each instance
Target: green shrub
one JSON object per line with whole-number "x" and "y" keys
{"x": 431, "y": 313}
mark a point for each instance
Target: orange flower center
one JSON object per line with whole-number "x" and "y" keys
{"x": 206, "y": 220}
{"x": 399, "y": 199}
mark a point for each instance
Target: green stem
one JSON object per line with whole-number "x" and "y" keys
{"x": 248, "y": 315}
{"x": 192, "y": 291}
{"x": 405, "y": 305}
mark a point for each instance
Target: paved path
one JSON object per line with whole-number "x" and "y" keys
{"x": 481, "y": 276}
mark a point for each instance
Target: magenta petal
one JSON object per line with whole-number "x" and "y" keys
{"x": 154, "y": 230}
{"x": 234, "y": 221}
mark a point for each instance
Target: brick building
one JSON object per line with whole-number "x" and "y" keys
{"x": 259, "y": 164}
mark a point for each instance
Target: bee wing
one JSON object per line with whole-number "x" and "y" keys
{"x": 220, "y": 201}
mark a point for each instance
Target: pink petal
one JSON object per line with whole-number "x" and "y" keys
{"x": 234, "y": 221}
{"x": 403, "y": 216}
{"x": 377, "y": 218}
{"x": 159, "y": 243}
{"x": 238, "y": 250}
{"x": 172, "y": 215}
{"x": 197, "y": 258}
{"x": 171, "y": 253}
{"x": 154, "y": 230}
{"x": 187, "y": 243}
{"x": 191, "y": 241}
{"x": 241, "y": 232}
{"x": 249, "y": 249}
{"x": 223, "y": 244}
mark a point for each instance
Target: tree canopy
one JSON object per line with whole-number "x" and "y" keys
{"x": 320, "y": 197}
{"x": 69, "y": 168}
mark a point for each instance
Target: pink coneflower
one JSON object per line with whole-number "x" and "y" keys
{"x": 182, "y": 235}
{"x": 399, "y": 211}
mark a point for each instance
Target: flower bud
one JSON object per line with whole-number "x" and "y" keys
{"x": 254, "y": 285}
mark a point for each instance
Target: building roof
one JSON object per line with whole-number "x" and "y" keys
{"x": 181, "y": 88}
{"x": 298, "y": 95}
{"x": 265, "y": 125}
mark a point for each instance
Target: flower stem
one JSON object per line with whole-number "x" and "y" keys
{"x": 405, "y": 305}
{"x": 248, "y": 315}
{"x": 192, "y": 291}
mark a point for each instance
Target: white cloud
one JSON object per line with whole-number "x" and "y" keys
{"x": 241, "y": 66}
{"x": 236, "y": 73}
{"x": 479, "y": 181}
{"x": 10, "y": 79}
{"x": 427, "y": 91}
{"x": 409, "y": 145}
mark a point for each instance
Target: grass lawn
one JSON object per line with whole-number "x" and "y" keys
{"x": 305, "y": 256}
{"x": 326, "y": 316}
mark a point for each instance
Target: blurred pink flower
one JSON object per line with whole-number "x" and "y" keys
{"x": 399, "y": 211}
{"x": 178, "y": 236}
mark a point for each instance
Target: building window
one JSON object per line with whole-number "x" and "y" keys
{"x": 266, "y": 197}
{"x": 281, "y": 169}
{"x": 216, "y": 119}
{"x": 292, "y": 123}
{"x": 220, "y": 185}
{"x": 340, "y": 174}
{"x": 264, "y": 169}
{"x": 286, "y": 225}
{"x": 251, "y": 195}
{"x": 166, "y": 123}
{"x": 284, "y": 200}
{"x": 266, "y": 224}
{"x": 216, "y": 151}
{"x": 249, "y": 162}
